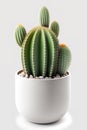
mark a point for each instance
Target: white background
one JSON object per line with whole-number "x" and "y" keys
{"x": 72, "y": 17}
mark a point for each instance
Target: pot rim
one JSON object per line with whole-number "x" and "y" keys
{"x": 44, "y": 79}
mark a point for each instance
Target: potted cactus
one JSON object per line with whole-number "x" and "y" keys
{"x": 42, "y": 88}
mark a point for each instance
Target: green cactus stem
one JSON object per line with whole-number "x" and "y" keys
{"x": 44, "y": 17}
{"x": 20, "y": 34}
{"x": 64, "y": 59}
{"x": 55, "y": 28}
{"x": 40, "y": 52}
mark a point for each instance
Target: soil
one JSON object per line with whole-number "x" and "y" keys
{"x": 21, "y": 73}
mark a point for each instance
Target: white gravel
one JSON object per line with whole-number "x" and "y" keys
{"x": 41, "y": 77}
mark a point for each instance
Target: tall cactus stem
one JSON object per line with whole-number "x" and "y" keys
{"x": 44, "y": 17}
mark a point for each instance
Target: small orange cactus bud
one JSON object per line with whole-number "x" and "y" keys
{"x": 62, "y": 45}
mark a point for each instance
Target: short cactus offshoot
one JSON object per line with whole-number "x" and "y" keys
{"x": 40, "y": 51}
{"x": 64, "y": 59}
{"x": 55, "y": 28}
{"x": 20, "y": 34}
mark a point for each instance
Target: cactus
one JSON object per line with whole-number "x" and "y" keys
{"x": 64, "y": 59}
{"x": 20, "y": 34}
{"x": 55, "y": 28}
{"x": 44, "y": 17}
{"x": 40, "y": 51}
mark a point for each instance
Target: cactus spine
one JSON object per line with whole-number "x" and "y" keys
{"x": 64, "y": 59}
{"x": 20, "y": 34}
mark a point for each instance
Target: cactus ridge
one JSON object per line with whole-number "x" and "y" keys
{"x": 56, "y": 47}
{"x": 25, "y": 52}
{"x": 43, "y": 54}
{"x": 34, "y": 53}
{"x": 41, "y": 47}
{"x": 51, "y": 53}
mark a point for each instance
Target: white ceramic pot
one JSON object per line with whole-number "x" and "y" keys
{"x": 42, "y": 100}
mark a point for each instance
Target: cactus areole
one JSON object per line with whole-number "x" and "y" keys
{"x": 41, "y": 53}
